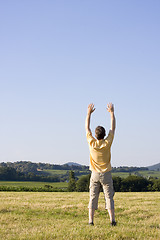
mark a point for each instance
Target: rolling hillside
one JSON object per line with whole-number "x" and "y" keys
{"x": 155, "y": 167}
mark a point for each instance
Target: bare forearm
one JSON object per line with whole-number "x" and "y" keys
{"x": 113, "y": 121}
{"x": 87, "y": 122}
{"x": 90, "y": 110}
{"x": 110, "y": 109}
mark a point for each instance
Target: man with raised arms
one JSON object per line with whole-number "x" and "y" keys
{"x": 100, "y": 164}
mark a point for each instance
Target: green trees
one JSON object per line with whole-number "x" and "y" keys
{"x": 129, "y": 184}
{"x": 8, "y": 173}
{"x": 117, "y": 183}
{"x": 27, "y": 166}
{"x": 82, "y": 185}
{"x": 11, "y": 174}
{"x": 72, "y": 182}
{"x": 134, "y": 184}
{"x": 155, "y": 186}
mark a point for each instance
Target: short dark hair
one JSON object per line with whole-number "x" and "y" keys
{"x": 100, "y": 132}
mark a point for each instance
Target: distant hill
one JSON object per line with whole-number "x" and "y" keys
{"x": 155, "y": 167}
{"x": 73, "y": 164}
{"x": 37, "y": 168}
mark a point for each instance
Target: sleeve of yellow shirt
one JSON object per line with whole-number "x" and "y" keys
{"x": 90, "y": 138}
{"x": 109, "y": 138}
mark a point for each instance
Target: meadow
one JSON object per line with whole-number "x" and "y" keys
{"x": 55, "y": 172}
{"x": 64, "y": 215}
{"x": 146, "y": 174}
{"x": 33, "y": 184}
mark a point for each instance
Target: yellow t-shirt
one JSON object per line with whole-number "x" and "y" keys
{"x": 100, "y": 154}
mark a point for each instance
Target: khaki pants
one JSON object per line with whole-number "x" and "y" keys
{"x": 105, "y": 179}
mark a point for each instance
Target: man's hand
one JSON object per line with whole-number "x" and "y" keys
{"x": 110, "y": 108}
{"x": 91, "y": 108}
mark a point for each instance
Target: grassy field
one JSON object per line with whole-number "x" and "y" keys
{"x": 120, "y": 174}
{"x": 33, "y": 184}
{"x": 48, "y": 216}
{"x": 55, "y": 172}
{"x": 140, "y": 173}
{"x": 150, "y": 173}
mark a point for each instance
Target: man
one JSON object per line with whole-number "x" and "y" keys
{"x": 100, "y": 165}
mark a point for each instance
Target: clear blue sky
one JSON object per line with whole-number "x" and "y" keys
{"x": 56, "y": 57}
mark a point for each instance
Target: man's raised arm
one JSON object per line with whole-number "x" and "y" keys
{"x": 110, "y": 109}
{"x": 90, "y": 110}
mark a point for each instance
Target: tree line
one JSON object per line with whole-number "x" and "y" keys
{"x": 129, "y": 184}
{"x": 37, "y": 168}
{"x": 11, "y": 174}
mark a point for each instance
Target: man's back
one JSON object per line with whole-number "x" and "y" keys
{"x": 100, "y": 155}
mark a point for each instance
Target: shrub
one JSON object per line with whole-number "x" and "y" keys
{"x": 82, "y": 185}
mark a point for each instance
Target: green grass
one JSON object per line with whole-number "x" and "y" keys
{"x": 150, "y": 173}
{"x": 142, "y": 173}
{"x": 48, "y": 216}
{"x": 120, "y": 174}
{"x": 55, "y": 172}
{"x": 33, "y": 184}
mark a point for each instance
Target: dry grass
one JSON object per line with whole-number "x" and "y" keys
{"x": 65, "y": 216}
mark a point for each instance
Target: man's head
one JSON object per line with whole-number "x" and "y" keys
{"x": 100, "y": 132}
